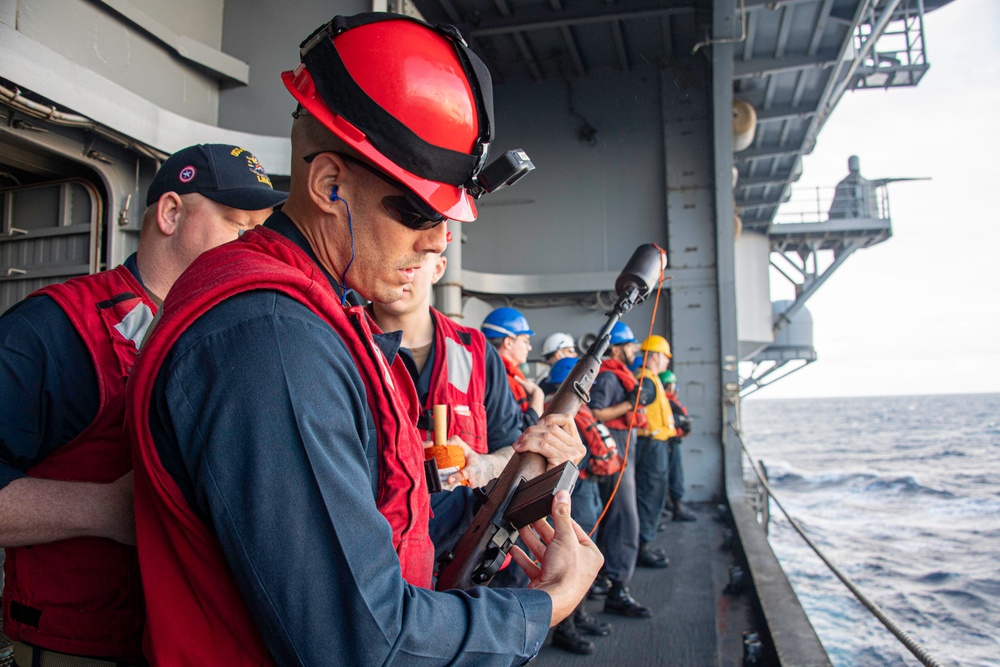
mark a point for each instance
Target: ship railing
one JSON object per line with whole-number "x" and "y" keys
{"x": 756, "y": 493}
{"x": 818, "y": 204}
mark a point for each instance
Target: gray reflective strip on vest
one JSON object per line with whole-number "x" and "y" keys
{"x": 459, "y": 365}
{"x": 133, "y": 326}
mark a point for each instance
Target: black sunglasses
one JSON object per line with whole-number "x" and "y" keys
{"x": 407, "y": 209}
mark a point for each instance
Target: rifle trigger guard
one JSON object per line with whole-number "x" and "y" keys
{"x": 490, "y": 565}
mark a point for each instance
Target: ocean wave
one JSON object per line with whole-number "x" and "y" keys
{"x": 964, "y": 599}
{"x": 935, "y": 577}
{"x": 907, "y": 484}
{"x": 788, "y": 477}
{"x": 944, "y": 453}
{"x": 860, "y": 481}
{"x": 903, "y": 493}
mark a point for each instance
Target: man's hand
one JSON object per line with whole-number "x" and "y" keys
{"x": 567, "y": 559}
{"x": 479, "y": 468}
{"x": 536, "y": 397}
{"x": 556, "y": 438}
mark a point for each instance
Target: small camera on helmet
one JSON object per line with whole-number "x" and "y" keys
{"x": 505, "y": 170}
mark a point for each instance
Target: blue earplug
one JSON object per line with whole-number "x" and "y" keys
{"x": 333, "y": 194}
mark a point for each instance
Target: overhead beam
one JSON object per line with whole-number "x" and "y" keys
{"x": 760, "y": 67}
{"x": 571, "y": 48}
{"x": 824, "y": 14}
{"x": 764, "y": 180}
{"x": 530, "y": 21}
{"x": 746, "y": 206}
{"x": 520, "y": 42}
{"x": 784, "y": 31}
{"x": 782, "y": 113}
{"x": 773, "y": 5}
{"x": 619, "y": 38}
{"x": 767, "y": 152}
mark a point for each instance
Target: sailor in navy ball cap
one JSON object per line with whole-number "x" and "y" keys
{"x": 64, "y": 353}
{"x": 229, "y": 175}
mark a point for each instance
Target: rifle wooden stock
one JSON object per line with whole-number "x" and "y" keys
{"x": 488, "y": 531}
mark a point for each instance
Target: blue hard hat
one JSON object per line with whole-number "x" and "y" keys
{"x": 621, "y": 333}
{"x": 505, "y": 322}
{"x": 560, "y": 369}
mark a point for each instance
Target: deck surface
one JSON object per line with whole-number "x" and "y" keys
{"x": 695, "y": 624}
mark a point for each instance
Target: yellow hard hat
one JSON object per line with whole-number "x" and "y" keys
{"x": 656, "y": 344}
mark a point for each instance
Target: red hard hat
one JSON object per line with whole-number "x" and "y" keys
{"x": 412, "y": 99}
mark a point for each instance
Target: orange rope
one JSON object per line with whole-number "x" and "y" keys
{"x": 635, "y": 406}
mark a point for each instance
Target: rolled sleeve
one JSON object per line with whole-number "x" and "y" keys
{"x": 48, "y": 386}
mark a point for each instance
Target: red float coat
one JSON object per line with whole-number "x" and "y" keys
{"x": 604, "y": 457}
{"x": 193, "y": 597}
{"x": 520, "y": 393}
{"x": 83, "y": 596}
{"x": 459, "y": 381}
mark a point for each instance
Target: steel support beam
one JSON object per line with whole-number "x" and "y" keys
{"x": 782, "y": 113}
{"x": 767, "y": 152}
{"x": 525, "y": 22}
{"x": 812, "y": 284}
{"x": 691, "y": 200}
{"x": 761, "y": 67}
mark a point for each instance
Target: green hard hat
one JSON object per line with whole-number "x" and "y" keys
{"x": 668, "y": 377}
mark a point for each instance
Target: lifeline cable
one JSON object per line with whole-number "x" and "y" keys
{"x": 635, "y": 406}
{"x": 915, "y": 648}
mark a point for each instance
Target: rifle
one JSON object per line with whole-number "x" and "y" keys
{"x": 523, "y": 491}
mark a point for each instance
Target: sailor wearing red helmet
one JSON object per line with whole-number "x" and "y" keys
{"x": 281, "y": 505}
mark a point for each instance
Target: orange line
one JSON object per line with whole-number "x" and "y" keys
{"x": 635, "y": 407}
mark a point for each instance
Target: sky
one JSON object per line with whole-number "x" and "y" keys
{"x": 919, "y": 313}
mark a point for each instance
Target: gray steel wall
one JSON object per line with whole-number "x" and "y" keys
{"x": 93, "y": 36}
{"x": 584, "y": 208}
{"x": 266, "y": 35}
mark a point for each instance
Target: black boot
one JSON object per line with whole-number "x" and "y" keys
{"x": 567, "y": 638}
{"x": 589, "y": 625}
{"x": 600, "y": 587}
{"x": 681, "y": 513}
{"x": 620, "y": 602}
{"x": 650, "y": 556}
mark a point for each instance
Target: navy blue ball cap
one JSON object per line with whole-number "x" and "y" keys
{"x": 227, "y": 174}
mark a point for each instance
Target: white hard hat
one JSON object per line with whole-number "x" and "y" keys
{"x": 556, "y": 342}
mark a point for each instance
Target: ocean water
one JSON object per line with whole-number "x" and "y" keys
{"x": 903, "y": 494}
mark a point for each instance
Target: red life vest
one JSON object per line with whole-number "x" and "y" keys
{"x": 520, "y": 393}
{"x": 459, "y": 381}
{"x": 193, "y": 605}
{"x": 83, "y": 595}
{"x": 624, "y": 375}
{"x": 604, "y": 457}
